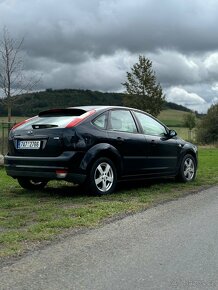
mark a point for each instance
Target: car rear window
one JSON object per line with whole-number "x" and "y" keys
{"x": 52, "y": 119}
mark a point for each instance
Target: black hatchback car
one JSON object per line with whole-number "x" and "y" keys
{"x": 96, "y": 146}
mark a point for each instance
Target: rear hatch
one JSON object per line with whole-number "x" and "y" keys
{"x": 48, "y": 134}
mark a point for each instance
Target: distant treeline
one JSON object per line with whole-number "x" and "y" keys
{"x": 32, "y": 103}
{"x": 173, "y": 106}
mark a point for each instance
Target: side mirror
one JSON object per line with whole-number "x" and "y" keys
{"x": 172, "y": 133}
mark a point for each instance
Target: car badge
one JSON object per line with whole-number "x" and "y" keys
{"x": 30, "y": 132}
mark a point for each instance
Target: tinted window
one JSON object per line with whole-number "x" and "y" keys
{"x": 122, "y": 120}
{"x": 101, "y": 121}
{"x": 150, "y": 126}
{"x": 50, "y": 122}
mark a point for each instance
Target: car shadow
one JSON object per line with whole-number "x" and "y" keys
{"x": 76, "y": 191}
{"x": 72, "y": 191}
{"x": 55, "y": 191}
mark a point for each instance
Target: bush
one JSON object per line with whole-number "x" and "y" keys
{"x": 207, "y": 131}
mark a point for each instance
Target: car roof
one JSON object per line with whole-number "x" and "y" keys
{"x": 89, "y": 108}
{"x": 79, "y": 109}
{"x": 100, "y": 107}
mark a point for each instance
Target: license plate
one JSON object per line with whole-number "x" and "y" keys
{"x": 28, "y": 145}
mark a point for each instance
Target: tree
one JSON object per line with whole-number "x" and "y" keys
{"x": 142, "y": 90}
{"x": 190, "y": 122}
{"x": 207, "y": 131}
{"x": 12, "y": 80}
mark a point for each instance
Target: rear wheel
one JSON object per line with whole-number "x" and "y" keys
{"x": 32, "y": 184}
{"x": 187, "y": 171}
{"x": 102, "y": 177}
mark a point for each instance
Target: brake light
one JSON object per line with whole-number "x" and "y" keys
{"x": 21, "y": 123}
{"x": 79, "y": 119}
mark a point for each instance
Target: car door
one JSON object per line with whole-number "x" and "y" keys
{"x": 162, "y": 150}
{"x": 123, "y": 134}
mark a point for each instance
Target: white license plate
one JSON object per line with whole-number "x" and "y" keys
{"x": 28, "y": 145}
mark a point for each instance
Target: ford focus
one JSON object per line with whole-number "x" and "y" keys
{"x": 96, "y": 146}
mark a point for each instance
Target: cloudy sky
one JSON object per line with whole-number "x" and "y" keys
{"x": 91, "y": 44}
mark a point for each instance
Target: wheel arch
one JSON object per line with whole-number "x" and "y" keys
{"x": 191, "y": 152}
{"x": 102, "y": 150}
{"x": 187, "y": 151}
{"x": 182, "y": 174}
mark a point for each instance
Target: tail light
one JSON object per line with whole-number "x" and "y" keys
{"x": 21, "y": 123}
{"x": 79, "y": 119}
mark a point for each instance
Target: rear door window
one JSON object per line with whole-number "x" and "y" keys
{"x": 122, "y": 120}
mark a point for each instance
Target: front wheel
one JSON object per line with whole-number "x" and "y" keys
{"x": 32, "y": 184}
{"x": 102, "y": 177}
{"x": 187, "y": 171}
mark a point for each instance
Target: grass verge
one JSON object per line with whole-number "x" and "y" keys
{"x": 29, "y": 218}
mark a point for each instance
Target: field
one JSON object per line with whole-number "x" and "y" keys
{"x": 31, "y": 219}
{"x": 172, "y": 118}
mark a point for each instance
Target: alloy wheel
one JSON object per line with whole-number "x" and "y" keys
{"x": 189, "y": 169}
{"x": 104, "y": 177}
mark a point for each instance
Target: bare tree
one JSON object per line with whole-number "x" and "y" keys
{"x": 12, "y": 80}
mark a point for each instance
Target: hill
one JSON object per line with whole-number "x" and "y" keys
{"x": 172, "y": 118}
{"x": 32, "y": 103}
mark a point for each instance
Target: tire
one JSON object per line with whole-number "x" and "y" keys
{"x": 187, "y": 171}
{"x": 32, "y": 184}
{"x": 102, "y": 177}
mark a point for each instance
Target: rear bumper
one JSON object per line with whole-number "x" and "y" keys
{"x": 46, "y": 167}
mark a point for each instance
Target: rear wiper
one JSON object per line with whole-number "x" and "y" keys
{"x": 43, "y": 126}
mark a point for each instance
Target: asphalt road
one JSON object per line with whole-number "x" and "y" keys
{"x": 171, "y": 246}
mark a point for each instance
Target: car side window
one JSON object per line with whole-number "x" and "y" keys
{"x": 149, "y": 125}
{"x": 122, "y": 120}
{"x": 101, "y": 121}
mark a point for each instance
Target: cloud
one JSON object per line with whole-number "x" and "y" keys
{"x": 189, "y": 100}
{"x": 91, "y": 44}
{"x": 101, "y": 26}
{"x": 176, "y": 68}
{"x": 211, "y": 64}
{"x": 99, "y": 74}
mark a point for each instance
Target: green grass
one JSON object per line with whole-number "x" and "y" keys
{"x": 29, "y": 218}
